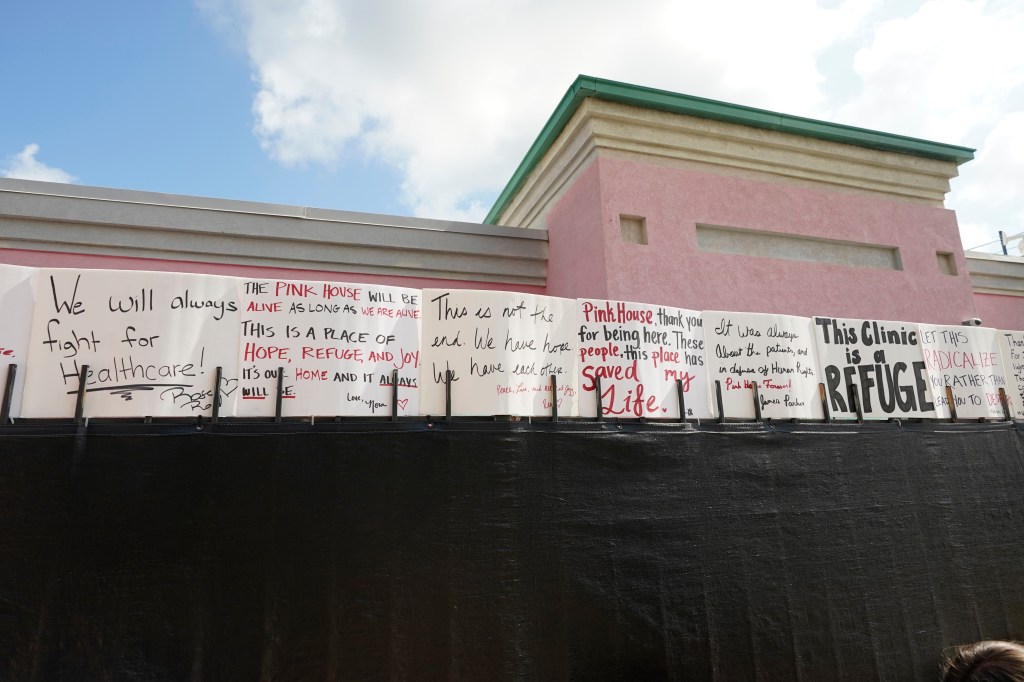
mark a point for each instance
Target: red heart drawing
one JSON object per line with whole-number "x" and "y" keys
{"x": 403, "y": 403}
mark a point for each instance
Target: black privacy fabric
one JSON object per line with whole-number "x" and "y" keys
{"x": 508, "y": 554}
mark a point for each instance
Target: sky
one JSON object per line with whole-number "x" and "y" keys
{"x": 426, "y": 109}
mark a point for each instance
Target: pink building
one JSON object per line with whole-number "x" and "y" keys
{"x": 201, "y": 549}
{"x": 628, "y": 193}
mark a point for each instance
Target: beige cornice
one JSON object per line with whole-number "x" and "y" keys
{"x": 607, "y": 129}
{"x": 994, "y": 274}
{"x": 41, "y": 216}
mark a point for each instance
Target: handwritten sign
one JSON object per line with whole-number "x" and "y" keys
{"x": 882, "y": 359}
{"x": 149, "y": 344}
{"x": 967, "y": 360}
{"x": 638, "y": 352}
{"x": 152, "y": 341}
{"x": 1011, "y": 346}
{"x": 17, "y": 299}
{"x": 337, "y": 343}
{"x": 501, "y": 349}
{"x": 776, "y": 352}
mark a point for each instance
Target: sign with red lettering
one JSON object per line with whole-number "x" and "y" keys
{"x": 499, "y": 350}
{"x": 878, "y": 363}
{"x": 638, "y": 353}
{"x": 1011, "y": 347}
{"x": 17, "y": 298}
{"x": 772, "y": 354}
{"x": 337, "y": 346}
{"x": 151, "y": 341}
{"x": 967, "y": 360}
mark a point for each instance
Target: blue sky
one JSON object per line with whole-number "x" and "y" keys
{"x": 425, "y": 109}
{"x": 150, "y": 96}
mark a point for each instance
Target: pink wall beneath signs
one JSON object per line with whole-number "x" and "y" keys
{"x": 577, "y": 250}
{"x": 53, "y": 259}
{"x": 587, "y": 256}
{"x": 1001, "y": 312}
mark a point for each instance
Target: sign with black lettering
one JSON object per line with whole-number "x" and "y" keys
{"x": 338, "y": 345}
{"x": 775, "y": 352}
{"x": 638, "y": 352}
{"x": 878, "y": 361}
{"x": 499, "y": 350}
{"x": 966, "y": 359}
{"x": 151, "y": 341}
{"x": 17, "y": 300}
{"x": 1011, "y": 346}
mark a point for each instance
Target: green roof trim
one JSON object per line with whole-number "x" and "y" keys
{"x": 676, "y": 103}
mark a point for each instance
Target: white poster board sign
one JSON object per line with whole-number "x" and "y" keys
{"x": 152, "y": 342}
{"x": 967, "y": 360}
{"x": 503, "y": 349}
{"x": 776, "y": 352}
{"x": 639, "y": 352}
{"x": 17, "y": 299}
{"x": 1011, "y": 348}
{"x": 338, "y": 344}
{"x": 882, "y": 359}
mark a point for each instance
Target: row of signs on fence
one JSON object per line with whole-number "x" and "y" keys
{"x": 150, "y": 344}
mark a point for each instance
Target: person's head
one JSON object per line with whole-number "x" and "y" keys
{"x": 989, "y": 661}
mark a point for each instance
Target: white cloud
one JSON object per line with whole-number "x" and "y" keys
{"x": 943, "y": 72}
{"x": 953, "y": 71}
{"x": 998, "y": 171}
{"x": 453, "y": 92}
{"x": 25, "y": 166}
{"x": 988, "y": 196}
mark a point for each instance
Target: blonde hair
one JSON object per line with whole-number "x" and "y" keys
{"x": 988, "y": 661}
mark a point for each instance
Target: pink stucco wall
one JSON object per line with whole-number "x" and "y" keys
{"x": 577, "y": 261}
{"x": 670, "y": 269}
{"x": 52, "y": 259}
{"x": 1001, "y": 312}
{"x": 587, "y": 256}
